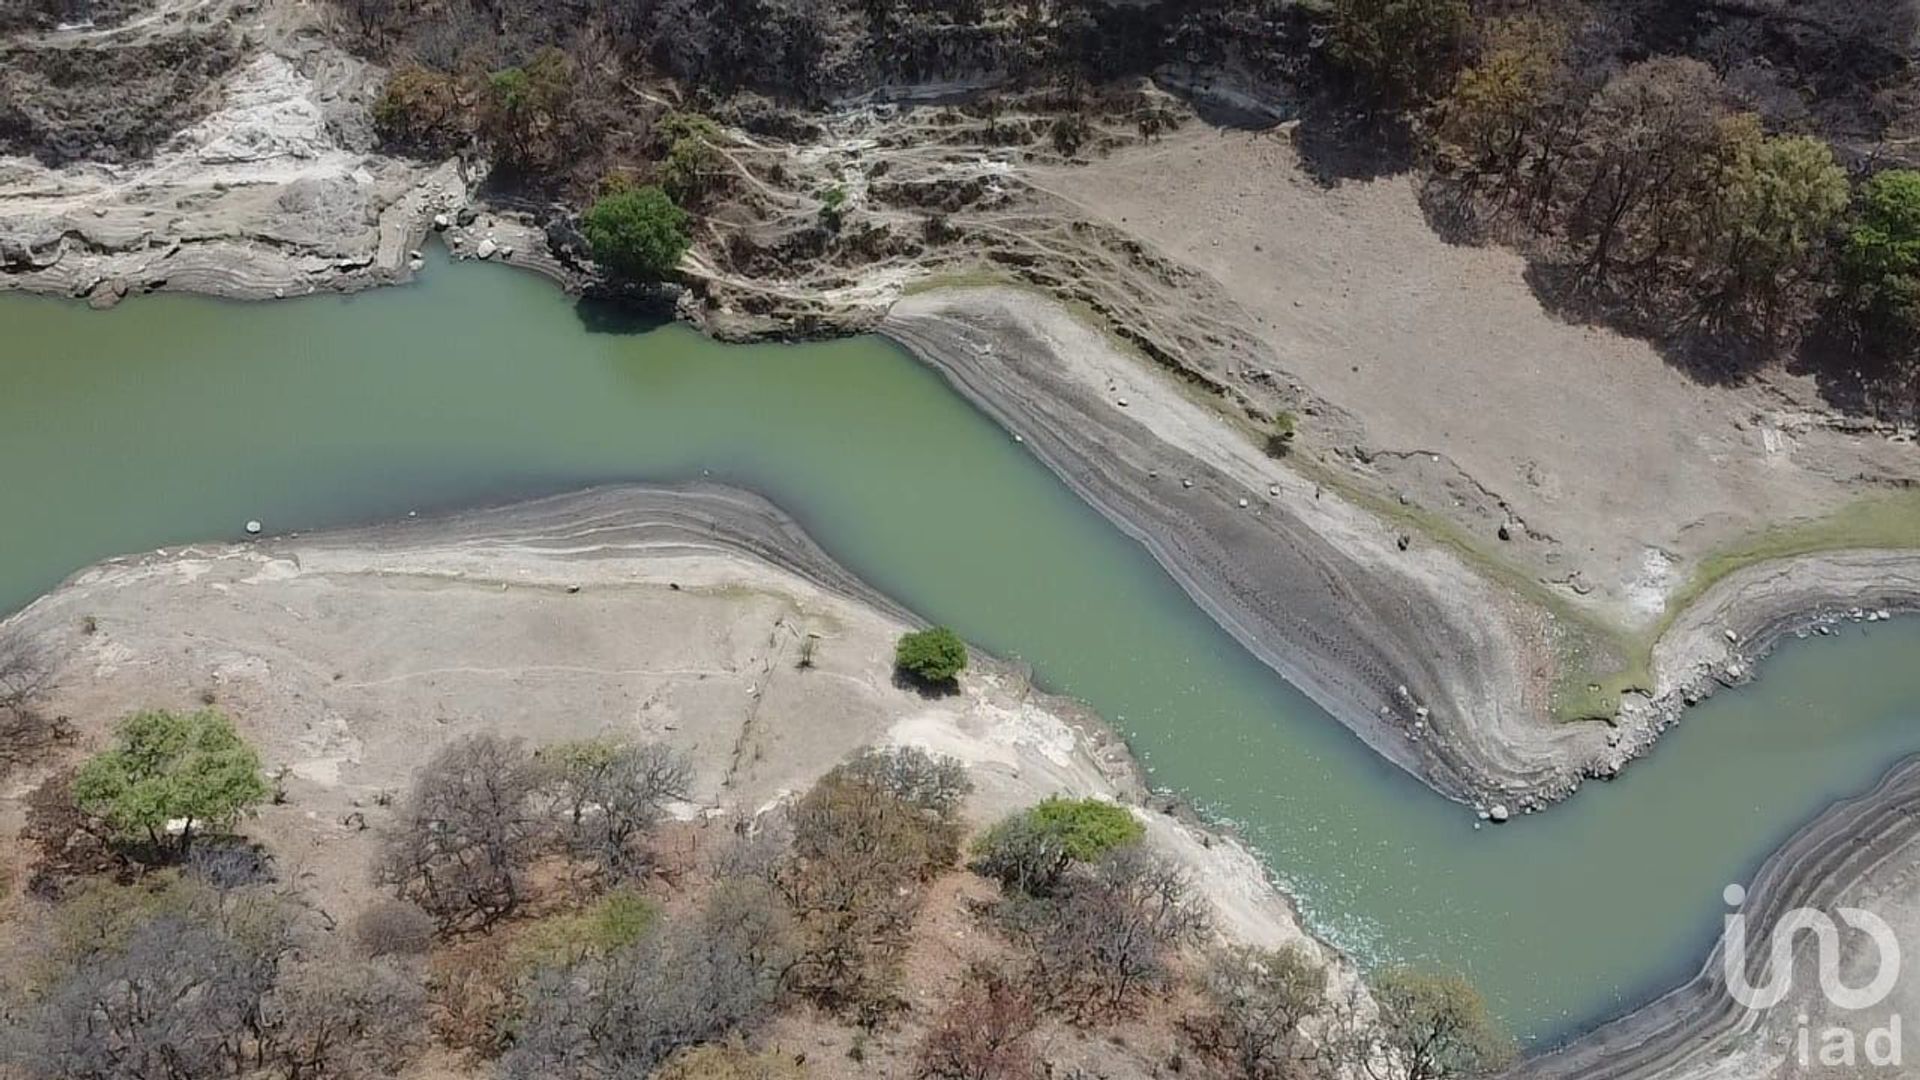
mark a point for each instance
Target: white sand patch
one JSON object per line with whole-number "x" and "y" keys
{"x": 1647, "y": 591}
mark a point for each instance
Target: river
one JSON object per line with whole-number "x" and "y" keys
{"x": 178, "y": 418}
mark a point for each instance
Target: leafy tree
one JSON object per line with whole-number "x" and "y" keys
{"x": 1776, "y": 201}
{"x": 934, "y": 656}
{"x": 1256, "y": 1001}
{"x": 1286, "y": 427}
{"x": 1492, "y": 116}
{"x": 1031, "y": 851}
{"x": 1435, "y": 1027}
{"x": 692, "y": 164}
{"x": 527, "y": 113}
{"x": 421, "y": 110}
{"x": 192, "y": 769}
{"x": 1880, "y": 260}
{"x": 638, "y": 233}
{"x": 467, "y": 834}
{"x": 1406, "y": 49}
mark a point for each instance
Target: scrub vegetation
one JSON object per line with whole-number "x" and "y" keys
{"x": 528, "y": 920}
{"x": 1732, "y": 187}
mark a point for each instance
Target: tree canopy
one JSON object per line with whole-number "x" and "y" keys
{"x": 935, "y": 656}
{"x": 638, "y": 233}
{"x": 1881, "y": 257}
{"x": 1406, "y": 50}
{"x": 1437, "y": 1026}
{"x": 166, "y": 767}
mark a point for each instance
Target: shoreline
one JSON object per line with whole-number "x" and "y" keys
{"x": 560, "y": 559}
{"x": 1476, "y": 732}
{"x": 1694, "y": 650}
{"x": 1239, "y": 532}
{"x": 1686, "y": 1031}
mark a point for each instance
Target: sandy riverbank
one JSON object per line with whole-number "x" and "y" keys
{"x": 1440, "y": 669}
{"x": 672, "y": 614}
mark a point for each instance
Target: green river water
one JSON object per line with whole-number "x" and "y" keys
{"x": 178, "y": 418}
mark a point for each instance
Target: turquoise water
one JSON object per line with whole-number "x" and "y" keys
{"x": 178, "y": 418}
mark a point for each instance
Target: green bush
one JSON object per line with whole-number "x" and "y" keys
{"x": 167, "y": 767}
{"x": 614, "y": 921}
{"x": 1881, "y": 258}
{"x": 638, "y": 233}
{"x": 935, "y": 657}
{"x": 1280, "y": 439}
{"x": 1031, "y": 851}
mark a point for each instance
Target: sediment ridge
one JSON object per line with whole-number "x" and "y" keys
{"x": 1697, "y": 1028}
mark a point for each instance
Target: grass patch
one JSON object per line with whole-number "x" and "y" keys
{"x": 1885, "y": 521}
{"x": 977, "y": 278}
{"x": 615, "y": 920}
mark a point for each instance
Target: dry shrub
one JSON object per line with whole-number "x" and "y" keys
{"x": 729, "y": 1061}
{"x": 986, "y": 1034}
{"x": 471, "y": 990}
{"x": 67, "y": 842}
{"x": 866, "y": 838}
{"x": 393, "y": 928}
{"x": 1109, "y": 936}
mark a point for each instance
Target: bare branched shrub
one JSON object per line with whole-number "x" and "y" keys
{"x": 467, "y": 834}
{"x": 986, "y": 1034}
{"x": 179, "y": 993}
{"x": 25, "y": 671}
{"x": 609, "y": 794}
{"x": 348, "y": 1020}
{"x": 1256, "y": 1000}
{"x": 688, "y": 982}
{"x": 26, "y": 733}
{"x": 1110, "y": 934}
{"x": 933, "y": 783}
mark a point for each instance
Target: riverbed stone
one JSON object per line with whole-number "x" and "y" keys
{"x": 1498, "y": 813}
